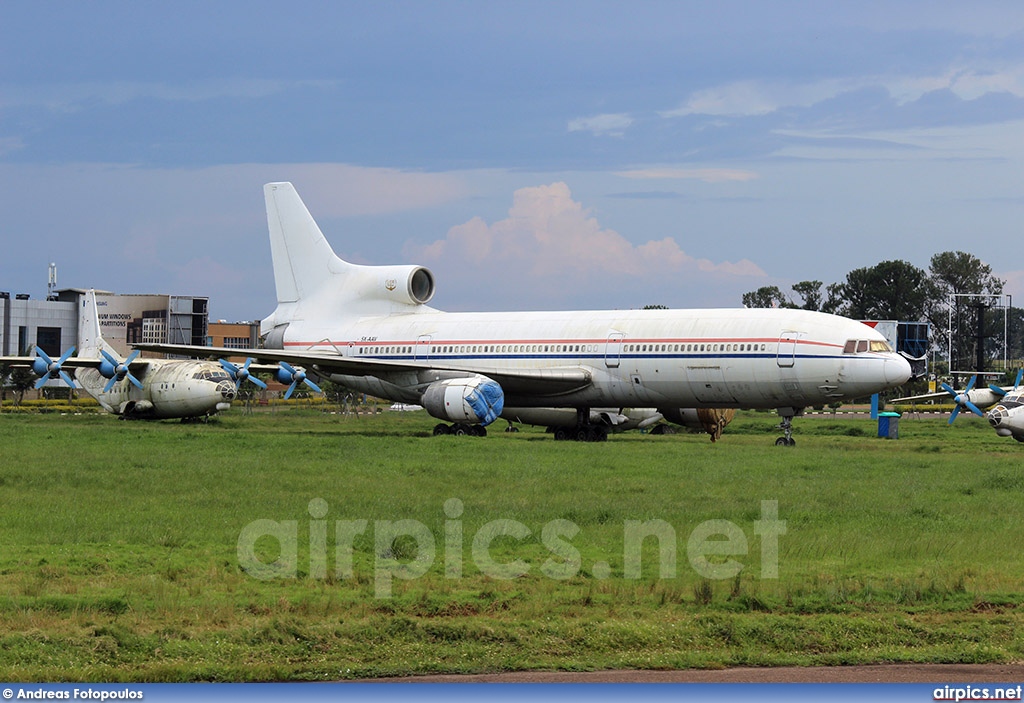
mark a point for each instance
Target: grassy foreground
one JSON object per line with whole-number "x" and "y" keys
{"x": 120, "y": 548}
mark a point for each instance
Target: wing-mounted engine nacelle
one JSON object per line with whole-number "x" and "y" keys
{"x": 710, "y": 420}
{"x": 405, "y": 285}
{"x": 473, "y": 400}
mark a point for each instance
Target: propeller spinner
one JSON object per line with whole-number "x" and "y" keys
{"x": 46, "y": 368}
{"x": 240, "y": 373}
{"x": 117, "y": 370}
{"x": 289, "y": 374}
{"x": 963, "y": 399}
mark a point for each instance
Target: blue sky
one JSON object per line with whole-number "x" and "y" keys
{"x": 534, "y": 155}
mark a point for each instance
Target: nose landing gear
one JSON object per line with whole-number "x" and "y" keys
{"x": 787, "y": 415}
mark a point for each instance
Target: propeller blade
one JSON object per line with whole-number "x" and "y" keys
{"x": 312, "y": 385}
{"x": 974, "y": 408}
{"x": 110, "y": 383}
{"x": 40, "y": 353}
{"x": 970, "y": 384}
{"x": 240, "y": 374}
{"x": 42, "y": 381}
{"x": 1020, "y": 373}
{"x": 66, "y": 355}
{"x": 996, "y": 389}
{"x": 952, "y": 415}
{"x": 946, "y": 387}
{"x": 291, "y": 389}
{"x": 134, "y": 381}
{"x": 67, "y": 379}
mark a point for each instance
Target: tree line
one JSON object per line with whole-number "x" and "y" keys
{"x": 952, "y": 295}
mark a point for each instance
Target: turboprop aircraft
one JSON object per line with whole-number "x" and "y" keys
{"x": 140, "y": 388}
{"x": 370, "y": 328}
{"x": 1006, "y": 418}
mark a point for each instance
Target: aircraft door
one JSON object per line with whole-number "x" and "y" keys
{"x": 613, "y": 350}
{"x": 786, "y": 356}
{"x": 421, "y": 352}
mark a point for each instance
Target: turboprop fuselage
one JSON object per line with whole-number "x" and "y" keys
{"x": 171, "y": 389}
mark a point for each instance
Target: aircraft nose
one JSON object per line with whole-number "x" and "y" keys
{"x": 227, "y": 390}
{"x": 897, "y": 370}
{"x": 995, "y": 415}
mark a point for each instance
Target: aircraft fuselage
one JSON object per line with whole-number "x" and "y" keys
{"x": 171, "y": 388}
{"x": 639, "y": 358}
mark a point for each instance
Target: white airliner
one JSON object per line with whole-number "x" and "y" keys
{"x": 137, "y": 388}
{"x": 370, "y": 328}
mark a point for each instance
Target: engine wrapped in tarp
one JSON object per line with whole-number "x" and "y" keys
{"x": 710, "y": 420}
{"x": 477, "y": 400}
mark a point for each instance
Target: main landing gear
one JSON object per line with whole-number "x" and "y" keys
{"x": 787, "y": 415}
{"x": 584, "y": 430}
{"x": 460, "y": 429}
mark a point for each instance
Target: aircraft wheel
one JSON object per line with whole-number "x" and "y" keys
{"x": 1018, "y": 437}
{"x": 441, "y": 429}
{"x": 461, "y": 430}
{"x": 478, "y": 431}
{"x": 561, "y": 434}
{"x": 600, "y": 434}
{"x": 583, "y": 434}
{"x": 785, "y": 442}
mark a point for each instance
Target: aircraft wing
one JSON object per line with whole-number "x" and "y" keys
{"x": 938, "y": 395}
{"x": 74, "y": 362}
{"x": 543, "y": 382}
{"x": 983, "y": 396}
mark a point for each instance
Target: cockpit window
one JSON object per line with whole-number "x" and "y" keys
{"x": 859, "y": 346}
{"x": 208, "y": 375}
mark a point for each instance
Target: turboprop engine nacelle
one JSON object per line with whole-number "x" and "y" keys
{"x": 473, "y": 400}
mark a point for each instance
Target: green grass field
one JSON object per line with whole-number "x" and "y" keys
{"x": 120, "y": 559}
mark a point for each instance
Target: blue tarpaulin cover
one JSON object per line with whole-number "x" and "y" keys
{"x": 487, "y": 400}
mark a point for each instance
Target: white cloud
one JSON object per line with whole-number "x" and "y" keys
{"x": 609, "y": 125}
{"x": 708, "y": 175}
{"x": 547, "y": 233}
{"x": 754, "y": 98}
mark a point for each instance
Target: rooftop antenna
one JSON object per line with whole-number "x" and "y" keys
{"x": 51, "y": 286}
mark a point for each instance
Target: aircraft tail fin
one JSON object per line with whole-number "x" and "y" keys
{"x": 90, "y": 339}
{"x": 303, "y": 258}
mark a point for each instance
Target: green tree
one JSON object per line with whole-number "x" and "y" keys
{"x": 766, "y": 297}
{"x": 810, "y": 294}
{"x": 891, "y": 290}
{"x": 22, "y": 379}
{"x": 956, "y": 275}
